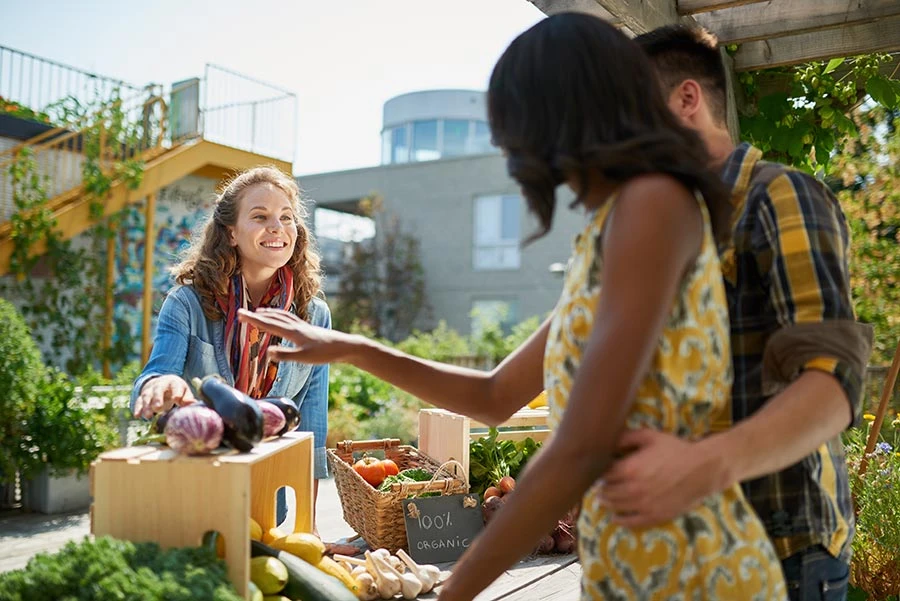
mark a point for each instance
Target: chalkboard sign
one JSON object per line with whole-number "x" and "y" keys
{"x": 441, "y": 528}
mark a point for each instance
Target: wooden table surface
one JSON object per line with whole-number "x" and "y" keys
{"x": 544, "y": 577}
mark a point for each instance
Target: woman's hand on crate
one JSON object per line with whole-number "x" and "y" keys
{"x": 160, "y": 394}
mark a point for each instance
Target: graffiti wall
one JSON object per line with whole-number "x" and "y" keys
{"x": 181, "y": 210}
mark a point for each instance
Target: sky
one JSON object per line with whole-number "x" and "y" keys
{"x": 343, "y": 58}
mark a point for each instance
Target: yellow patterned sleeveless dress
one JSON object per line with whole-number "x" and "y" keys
{"x": 718, "y": 551}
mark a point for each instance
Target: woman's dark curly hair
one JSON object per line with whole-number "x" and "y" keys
{"x": 211, "y": 261}
{"x": 574, "y": 95}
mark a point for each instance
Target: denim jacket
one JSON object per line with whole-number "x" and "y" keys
{"x": 190, "y": 345}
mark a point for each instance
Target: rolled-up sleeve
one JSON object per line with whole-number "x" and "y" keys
{"x": 313, "y": 401}
{"x": 800, "y": 241}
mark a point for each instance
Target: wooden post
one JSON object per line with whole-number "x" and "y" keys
{"x": 149, "y": 247}
{"x": 882, "y": 409}
{"x": 731, "y": 98}
{"x": 110, "y": 306}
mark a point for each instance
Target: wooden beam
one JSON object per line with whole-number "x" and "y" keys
{"x": 638, "y": 16}
{"x": 591, "y": 7}
{"x": 110, "y": 306}
{"x": 774, "y": 19}
{"x": 147, "y": 302}
{"x": 881, "y": 36}
{"x": 692, "y": 7}
{"x": 732, "y": 118}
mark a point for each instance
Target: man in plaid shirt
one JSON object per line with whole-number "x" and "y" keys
{"x": 799, "y": 355}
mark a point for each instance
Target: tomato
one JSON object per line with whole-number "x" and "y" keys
{"x": 390, "y": 468}
{"x": 371, "y": 470}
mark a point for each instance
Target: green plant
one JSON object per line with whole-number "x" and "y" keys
{"x": 797, "y": 115}
{"x": 21, "y": 370}
{"x": 876, "y": 545}
{"x": 66, "y": 432}
{"x": 107, "y": 569}
{"x": 867, "y": 179}
{"x": 60, "y": 307}
{"x": 382, "y": 284}
{"x": 16, "y": 109}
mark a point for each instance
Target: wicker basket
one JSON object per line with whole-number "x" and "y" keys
{"x": 378, "y": 516}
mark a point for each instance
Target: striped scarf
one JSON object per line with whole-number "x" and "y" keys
{"x": 245, "y": 345}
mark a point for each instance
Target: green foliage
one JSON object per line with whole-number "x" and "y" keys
{"x": 112, "y": 570}
{"x": 66, "y": 433}
{"x": 797, "y": 115}
{"x": 21, "y": 370}
{"x": 383, "y": 283}
{"x": 16, "y": 109}
{"x": 876, "y": 545}
{"x": 867, "y": 176}
{"x": 491, "y": 459}
{"x": 363, "y": 407}
{"x": 62, "y": 307}
{"x": 490, "y": 340}
{"x": 438, "y": 344}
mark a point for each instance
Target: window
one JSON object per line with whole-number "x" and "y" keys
{"x": 486, "y": 312}
{"x": 425, "y": 141}
{"x": 456, "y": 132}
{"x": 481, "y": 141}
{"x": 497, "y": 230}
{"x": 399, "y": 145}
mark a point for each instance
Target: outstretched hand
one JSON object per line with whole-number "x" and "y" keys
{"x": 660, "y": 478}
{"x": 314, "y": 345}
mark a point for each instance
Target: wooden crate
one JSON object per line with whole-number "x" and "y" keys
{"x": 444, "y": 435}
{"x": 151, "y": 493}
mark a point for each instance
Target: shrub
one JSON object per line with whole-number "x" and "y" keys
{"x": 21, "y": 371}
{"x": 65, "y": 433}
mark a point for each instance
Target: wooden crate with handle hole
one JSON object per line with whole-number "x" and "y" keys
{"x": 153, "y": 494}
{"x": 444, "y": 435}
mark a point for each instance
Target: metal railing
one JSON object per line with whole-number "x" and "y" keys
{"x": 79, "y": 109}
{"x": 45, "y": 86}
{"x": 243, "y": 112}
{"x": 124, "y": 129}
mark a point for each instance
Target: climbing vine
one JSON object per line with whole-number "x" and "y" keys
{"x": 800, "y": 115}
{"x": 63, "y": 291}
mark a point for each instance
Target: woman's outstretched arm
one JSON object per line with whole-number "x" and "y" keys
{"x": 490, "y": 397}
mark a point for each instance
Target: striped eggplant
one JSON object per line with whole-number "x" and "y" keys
{"x": 194, "y": 430}
{"x": 289, "y": 409}
{"x": 273, "y": 419}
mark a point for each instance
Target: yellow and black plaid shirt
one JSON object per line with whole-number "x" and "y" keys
{"x": 787, "y": 264}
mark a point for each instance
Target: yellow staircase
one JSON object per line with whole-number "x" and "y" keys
{"x": 60, "y": 155}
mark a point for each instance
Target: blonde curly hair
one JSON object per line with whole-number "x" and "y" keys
{"x": 210, "y": 262}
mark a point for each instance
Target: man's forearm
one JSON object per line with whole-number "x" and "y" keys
{"x": 790, "y": 426}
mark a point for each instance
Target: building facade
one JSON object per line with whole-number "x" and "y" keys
{"x": 450, "y": 189}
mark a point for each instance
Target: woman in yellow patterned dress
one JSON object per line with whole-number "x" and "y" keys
{"x": 639, "y": 338}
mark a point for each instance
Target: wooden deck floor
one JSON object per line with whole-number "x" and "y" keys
{"x": 545, "y": 578}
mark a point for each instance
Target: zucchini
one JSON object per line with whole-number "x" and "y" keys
{"x": 305, "y": 581}
{"x": 242, "y": 416}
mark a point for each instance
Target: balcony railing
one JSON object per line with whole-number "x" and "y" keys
{"x": 78, "y": 109}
